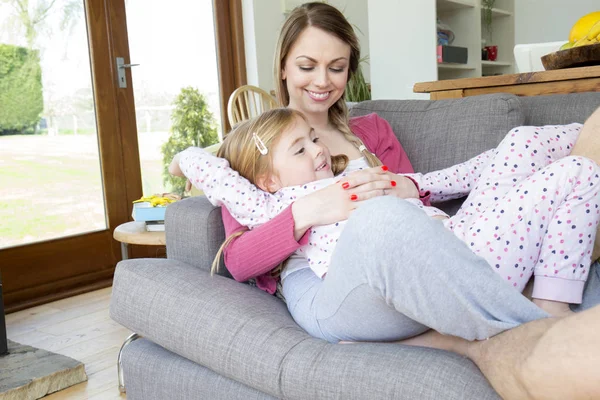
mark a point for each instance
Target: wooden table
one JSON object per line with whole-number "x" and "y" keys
{"x": 136, "y": 233}
{"x": 571, "y": 80}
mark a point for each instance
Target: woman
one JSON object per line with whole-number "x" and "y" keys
{"x": 358, "y": 300}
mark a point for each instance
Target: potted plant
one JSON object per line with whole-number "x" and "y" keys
{"x": 193, "y": 125}
{"x": 486, "y": 16}
{"x": 357, "y": 88}
{"x": 489, "y": 52}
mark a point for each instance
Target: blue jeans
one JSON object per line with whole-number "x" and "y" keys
{"x": 396, "y": 273}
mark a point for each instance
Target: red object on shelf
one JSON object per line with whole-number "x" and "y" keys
{"x": 492, "y": 52}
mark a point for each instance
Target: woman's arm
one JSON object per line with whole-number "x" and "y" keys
{"x": 258, "y": 251}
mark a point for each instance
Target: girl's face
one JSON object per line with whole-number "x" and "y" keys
{"x": 299, "y": 158}
{"x": 316, "y": 71}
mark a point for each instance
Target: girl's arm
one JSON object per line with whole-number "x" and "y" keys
{"x": 224, "y": 186}
{"x": 456, "y": 181}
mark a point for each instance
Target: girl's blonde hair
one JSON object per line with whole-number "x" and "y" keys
{"x": 329, "y": 19}
{"x": 244, "y": 156}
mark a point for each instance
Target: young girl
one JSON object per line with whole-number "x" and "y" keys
{"x": 267, "y": 163}
{"x": 523, "y": 219}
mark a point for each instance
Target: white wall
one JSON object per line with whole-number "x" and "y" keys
{"x": 402, "y": 47}
{"x": 540, "y": 21}
{"x": 262, "y": 22}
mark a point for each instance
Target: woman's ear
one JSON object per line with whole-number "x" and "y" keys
{"x": 268, "y": 183}
{"x": 283, "y": 76}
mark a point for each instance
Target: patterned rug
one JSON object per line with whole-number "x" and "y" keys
{"x": 28, "y": 373}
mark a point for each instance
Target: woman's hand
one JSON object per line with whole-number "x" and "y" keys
{"x": 378, "y": 181}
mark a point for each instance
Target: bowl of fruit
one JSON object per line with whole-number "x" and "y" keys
{"x": 583, "y": 47}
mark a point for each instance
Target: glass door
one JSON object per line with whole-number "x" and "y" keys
{"x": 176, "y": 84}
{"x": 64, "y": 179}
{"x": 69, "y": 149}
{"x": 50, "y": 173}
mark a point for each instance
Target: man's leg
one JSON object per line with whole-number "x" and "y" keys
{"x": 554, "y": 358}
{"x": 588, "y": 145}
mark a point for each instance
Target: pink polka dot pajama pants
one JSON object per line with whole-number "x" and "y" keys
{"x": 535, "y": 210}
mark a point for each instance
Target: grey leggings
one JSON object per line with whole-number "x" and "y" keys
{"x": 396, "y": 273}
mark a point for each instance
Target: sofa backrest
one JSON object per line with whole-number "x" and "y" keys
{"x": 559, "y": 109}
{"x": 438, "y": 134}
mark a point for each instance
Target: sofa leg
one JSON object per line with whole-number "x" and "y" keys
{"x": 130, "y": 339}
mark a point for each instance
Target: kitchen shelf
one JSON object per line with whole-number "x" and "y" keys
{"x": 496, "y": 64}
{"x": 455, "y": 66}
{"x": 498, "y": 12}
{"x": 451, "y": 5}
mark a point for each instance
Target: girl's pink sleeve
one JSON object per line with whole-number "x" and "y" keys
{"x": 258, "y": 251}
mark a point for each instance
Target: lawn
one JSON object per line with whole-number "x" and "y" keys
{"x": 51, "y": 185}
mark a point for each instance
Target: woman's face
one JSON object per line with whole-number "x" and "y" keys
{"x": 316, "y": 71}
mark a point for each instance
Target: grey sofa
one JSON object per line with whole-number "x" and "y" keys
{"x": 213, "y": 338}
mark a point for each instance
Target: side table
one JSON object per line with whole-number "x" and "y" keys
{"x": 135, "y": 232}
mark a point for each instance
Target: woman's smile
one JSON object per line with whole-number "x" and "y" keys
{"x": 318, "y": 96}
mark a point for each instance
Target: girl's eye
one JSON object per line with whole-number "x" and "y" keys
{"x": 315, "y": 140}
{"x": 301, "y": 151}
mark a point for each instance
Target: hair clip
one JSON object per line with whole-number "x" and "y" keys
{"x": 259, "y": 144}
{"x": 361, "y": 148}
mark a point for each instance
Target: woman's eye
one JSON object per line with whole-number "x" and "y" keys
{"x": 306, "y": 68}
{"x": 337, "y": 70}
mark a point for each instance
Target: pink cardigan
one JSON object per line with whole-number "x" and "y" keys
{"x": 255, "y": 253}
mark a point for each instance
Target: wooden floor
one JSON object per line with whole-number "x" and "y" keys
{"x": 78, "y": 327}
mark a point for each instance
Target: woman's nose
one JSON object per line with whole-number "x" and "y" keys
{"x": 322, "y": 78}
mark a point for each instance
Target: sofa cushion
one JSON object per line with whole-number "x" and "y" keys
{"x": 559, "y": 109}
{"x": 438, "y": 134}
{"x": 246, "y": 335}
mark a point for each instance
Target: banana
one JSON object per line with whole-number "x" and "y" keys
{"x": 584, "y": 41}
{"x": 594, "y": 31}
{"x": 159, "y": 200}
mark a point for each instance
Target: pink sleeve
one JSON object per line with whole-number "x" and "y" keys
{"x": 258, "y": 251}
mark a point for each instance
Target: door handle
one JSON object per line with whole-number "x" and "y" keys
{"x": 121, "y": 71}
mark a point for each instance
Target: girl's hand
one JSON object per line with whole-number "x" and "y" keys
{"x": 378, "y": 181}
{"x": 325, "y": 206}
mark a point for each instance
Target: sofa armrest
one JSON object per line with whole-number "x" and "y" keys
{"x": 194, "y": 231}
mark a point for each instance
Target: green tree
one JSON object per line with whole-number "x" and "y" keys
{"x": 192, "y": 125}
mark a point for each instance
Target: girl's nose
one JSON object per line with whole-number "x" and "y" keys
{"x": 317, "y": 150}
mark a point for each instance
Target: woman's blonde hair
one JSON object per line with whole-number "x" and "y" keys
{"x": 329, "y": 19}
{"x": 244, "y": 156}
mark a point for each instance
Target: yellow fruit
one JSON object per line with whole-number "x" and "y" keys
{"x": 567, "y": 45}
{"x": 583, "y": 26}
{"x": 582, "y": 42}
{"x": 594, "y": 31}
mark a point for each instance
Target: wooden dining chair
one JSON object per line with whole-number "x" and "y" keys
{"x": 247, "y": 102}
